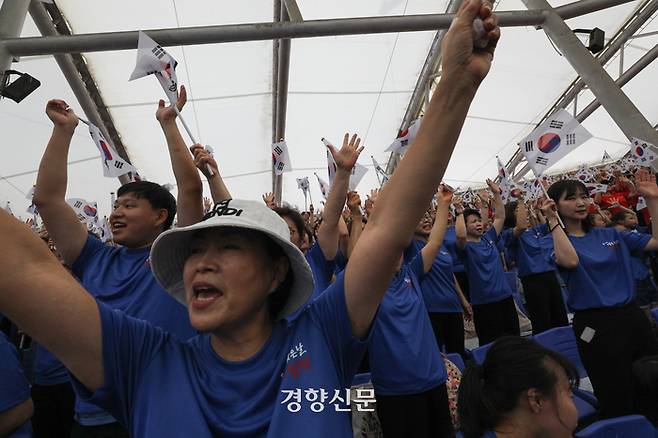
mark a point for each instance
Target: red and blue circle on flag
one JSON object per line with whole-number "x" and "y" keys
{"x": 639, "y": 151}
{"x": 549, "y": 142}
{"x": 89, "y": 210}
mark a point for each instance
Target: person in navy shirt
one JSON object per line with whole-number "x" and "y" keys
{"x": 15, "y": 402}
{"x": 119, "y": 276}
{"x": 441, "y": 292}
{"x": 645, "y": 288}
{"x": 521, "y": 390}
{"x": 611, "y": 331}
{"x": 494, "y": 312}
{"x": 408, "y": 373}
{"x": 531, "y": 248}
{"x": 252, "y": 372}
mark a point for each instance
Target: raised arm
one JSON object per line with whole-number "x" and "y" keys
{"x": 354, "y": 204}
{"x": 499, "y": 213}
{"x": 50, "y": 191}
{"x": 646, "y": 186}
{"x": 389, "y": 230}
{"x": 203, "y": 160}
{"x": 190, "y": 190}
{"x": 460, "y": 225}
{"x": 521, "y": 214}
{"x": 46, "y": 302}
{"x": 565, "y": 253}
{"x": 431, "y": 249}
{"x": 345, "y": 158}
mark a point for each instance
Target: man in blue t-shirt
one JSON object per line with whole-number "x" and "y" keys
{"x": 119, "y": 276}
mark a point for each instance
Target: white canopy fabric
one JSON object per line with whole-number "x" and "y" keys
{"x": 358, "y": 84}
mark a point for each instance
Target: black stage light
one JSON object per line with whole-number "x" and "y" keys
{"x": 21, "y": 87}
{"x": 596, "y": 41}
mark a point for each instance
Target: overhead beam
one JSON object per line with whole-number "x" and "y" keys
{"x": 629, "y": 74}
{"x": 74, "y": 68}
{"x": 12, "y": 17}
{"x": 292, "y": 8}
{"x": 95, "y": 42}
{"x": 616, "y": 43}
{"x": 625, "y": 114}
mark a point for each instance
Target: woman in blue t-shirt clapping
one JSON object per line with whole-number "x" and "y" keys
{"x": 611, "y": 331}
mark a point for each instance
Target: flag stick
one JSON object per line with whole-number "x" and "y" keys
{"x": 189, "y": 133}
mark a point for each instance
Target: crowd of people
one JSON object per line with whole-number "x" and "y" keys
{"x": 248, "y": 318}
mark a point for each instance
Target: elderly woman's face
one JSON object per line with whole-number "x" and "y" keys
{"x": 228, "y": 277}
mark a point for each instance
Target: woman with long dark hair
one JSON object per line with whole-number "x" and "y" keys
{"x": 611, "y": 331}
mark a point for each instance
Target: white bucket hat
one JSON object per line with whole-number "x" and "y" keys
{"x": 171, "y": 248}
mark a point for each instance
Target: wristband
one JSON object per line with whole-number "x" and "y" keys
{"x": 550, "y": 230}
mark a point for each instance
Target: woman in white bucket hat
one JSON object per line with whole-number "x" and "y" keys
{"x": 252, "y": 372}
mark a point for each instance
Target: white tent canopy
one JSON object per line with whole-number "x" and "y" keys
{"x": 359, "y": 84}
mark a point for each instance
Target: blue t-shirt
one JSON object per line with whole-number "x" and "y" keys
{"x": 603, "y": 277}
{"x": 438, "y": 285}
{"x": 48, "y": 370}
{"x": 14, "y": 387}
{"x": 486, "y": 277}
{"x": 506, "y": 239}
{"x": 639, "y": 263}
{"x": 122, "y": 279}
{"x": 403, "y": 354}
{"x": 450, "y": 243}
{"x": 158, "y": 385}
{"x": 532, "y": 251}
{"x": 321, "y": 268}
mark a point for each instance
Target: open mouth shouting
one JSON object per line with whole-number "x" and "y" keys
{"x": 204, "y": 295}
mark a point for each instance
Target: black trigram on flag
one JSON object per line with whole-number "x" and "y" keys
{"x": 278, "y": 150}
{"x": 118, "y": 164}
{"x": 280, "y": 166}
{"x": 542, "y": 160}
{"x": 529, "y": 146}
{"x": 571, "y": 139}
{"x": 77, "y": 204}
{"x": 158, "y": 51}
{"x": 556, "y": 124}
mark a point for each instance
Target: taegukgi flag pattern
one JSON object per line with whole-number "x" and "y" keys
{"x": 552, "y": 140}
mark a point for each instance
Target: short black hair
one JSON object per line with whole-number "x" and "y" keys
{"x": 278, "y": 298}
{"x": 294, "y": 216}
{"x": 155, "y": 194}
{"x": 489, "y": 392}
{"x": 470, "y": 212}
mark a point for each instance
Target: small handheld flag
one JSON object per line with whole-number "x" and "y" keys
{"x": 553, "y": 139}
{"x": 643, "y": 152}
{"x": 281, "y": 158}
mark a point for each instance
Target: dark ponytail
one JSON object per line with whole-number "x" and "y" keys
{"x": 489, "y": 392}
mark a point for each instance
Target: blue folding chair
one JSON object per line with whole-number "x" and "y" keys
{"x": 480, "y": 353}
{"x": 631, "y": 426}
{"x": 361, "y": 379}
{"x": 563, "y": 341}
{"x": 457, "y": 360}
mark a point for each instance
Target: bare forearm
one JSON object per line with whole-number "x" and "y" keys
{"x": 355, "y": 233}
{"x": 218, "y": 189}
{"x": 336, "y": 199}
{"x": 460, "y": 228}
{"x": 52, "y": 176}
{"x": 565, "y": 254}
